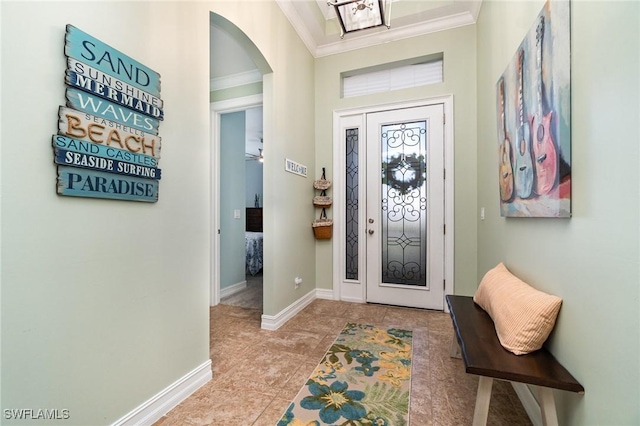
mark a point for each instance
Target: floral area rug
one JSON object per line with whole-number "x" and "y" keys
{"x": 363, "y": 379}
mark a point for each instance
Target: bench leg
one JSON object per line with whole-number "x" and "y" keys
{"x": 548, "y": 407}
{"x": 454, "y": 348}
{"x": 482, "y": 401}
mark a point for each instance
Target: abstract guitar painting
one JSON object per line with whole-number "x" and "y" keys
{"x": 533, "y": 103}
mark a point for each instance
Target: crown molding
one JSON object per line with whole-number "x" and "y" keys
{"x": 234, "y": 80}
{"x": 474, "y": 9}
{"x": 320, "y": 44}
{"x": 398, "y": 33}
{"x": 298, "y": 24}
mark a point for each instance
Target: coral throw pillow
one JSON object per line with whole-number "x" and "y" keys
{"x": 523, "y": 316}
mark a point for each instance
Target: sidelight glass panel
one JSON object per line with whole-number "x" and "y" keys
{"x": 352, "y": 204}
{"x": 404, "y": 204}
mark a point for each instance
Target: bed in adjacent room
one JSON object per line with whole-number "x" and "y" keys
{"x": 254, "y": 252}
{"x": 253, "y": 240}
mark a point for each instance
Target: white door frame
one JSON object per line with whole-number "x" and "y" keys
{"x": 217, "y": 109}
{"x": 430, "y": 231}
{"x": 355, "y": 290}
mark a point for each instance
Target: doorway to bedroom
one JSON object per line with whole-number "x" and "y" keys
{"x": 237, "y": 68}
{"x": 241, "y": 201}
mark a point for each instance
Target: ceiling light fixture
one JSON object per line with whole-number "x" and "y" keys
{"x": 355, "y": 15}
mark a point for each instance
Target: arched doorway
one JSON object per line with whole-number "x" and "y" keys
{"x": 236, "y": 68}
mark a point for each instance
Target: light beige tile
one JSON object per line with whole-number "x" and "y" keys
{"x": 268, "y": 366}
{"x": 407, "y": 318}
{"x": 365, "y": 314}
{"x": 294, "y": 341}
{"x": 297, "y": 380}
{"x": 312, "y": 321}
{"x": 258, "y": 372}
{"x": 273, "y": 413}
{"x": 328, "y": 307}
{"x": 231, "y": 383}
{"x": 319, "y": 352}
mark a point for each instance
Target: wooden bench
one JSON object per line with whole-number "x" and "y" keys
{"x": 483, "y": 355}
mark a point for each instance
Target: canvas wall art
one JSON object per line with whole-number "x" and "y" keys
{"x": 534, "y": 120}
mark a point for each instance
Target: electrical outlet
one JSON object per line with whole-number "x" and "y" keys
{"x": 297, "y": 281}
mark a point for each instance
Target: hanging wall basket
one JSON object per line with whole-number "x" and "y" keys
{"x": 322, "y": 201}
{"x": 322, "y": 184}
{"x": 323, "y": 227}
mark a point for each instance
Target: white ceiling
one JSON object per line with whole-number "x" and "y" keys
{"x": 316, "y": 23}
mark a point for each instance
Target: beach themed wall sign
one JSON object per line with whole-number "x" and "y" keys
{"x": 108, "y": 143}
{"x": 534, "y": 120}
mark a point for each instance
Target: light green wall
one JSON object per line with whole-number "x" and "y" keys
{"x": 232, "y": 197}
{"x": 253, "y": 175}
{"x": 288, "y": 130}
{"x": 592, "y": 259}
{"x": 106, "y": 303}
{"x": 459, "y": 48}
{"x": 236, "y": 92}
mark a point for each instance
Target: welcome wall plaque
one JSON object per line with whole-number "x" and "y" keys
{"x": 108, "y": 143}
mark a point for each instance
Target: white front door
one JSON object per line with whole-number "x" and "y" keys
{"x": 405, "y": 207}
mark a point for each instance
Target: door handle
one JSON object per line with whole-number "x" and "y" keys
{"x": 370, "y": 231}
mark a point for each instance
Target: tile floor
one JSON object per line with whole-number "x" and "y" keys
{"x": 256, "y": 373}
{"x": 250, "y": 296}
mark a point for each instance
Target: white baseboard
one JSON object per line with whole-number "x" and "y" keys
{"x": 274, "y": 322}
{"x": 529, "y": 402}
{"x": 353, "y": 299}
{"x": 323, "y": 293}
{"x": 153, "y": 409}
{"x": 233, "y": 289}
